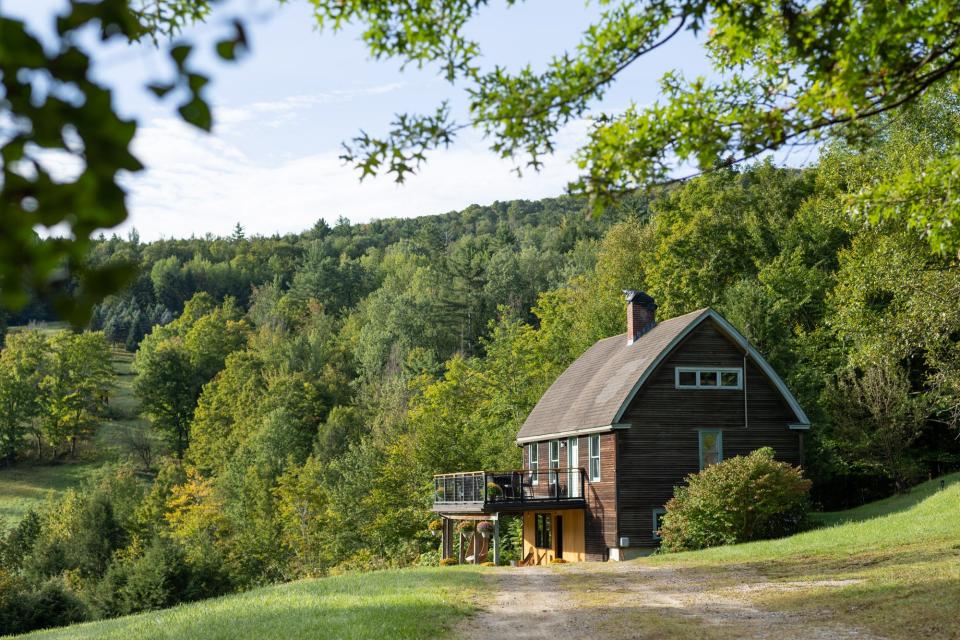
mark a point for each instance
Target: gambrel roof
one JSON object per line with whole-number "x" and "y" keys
{"x": 594, "y": 392}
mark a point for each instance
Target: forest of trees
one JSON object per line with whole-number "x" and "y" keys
{"x": 306, "y": 387}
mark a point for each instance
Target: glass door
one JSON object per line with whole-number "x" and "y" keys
{"x": 573, "y": 462}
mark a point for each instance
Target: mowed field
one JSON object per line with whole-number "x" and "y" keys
{"x": 28, "y": 484}
{"x": 401, "y": 604}
{"x": 890, "y": 569}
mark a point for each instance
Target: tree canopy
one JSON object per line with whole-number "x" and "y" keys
{"x": 783, "y": 74}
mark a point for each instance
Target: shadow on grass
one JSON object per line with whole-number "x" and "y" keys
{"x": 894, "y": 504}
{"x": 908, "y": 606}
{"x": 833, "y": 566}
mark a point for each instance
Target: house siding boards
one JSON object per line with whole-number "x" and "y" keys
{"x": 601, "y": 517}
{"x": 661, "y": 447}
{"x": 600, "y": 520}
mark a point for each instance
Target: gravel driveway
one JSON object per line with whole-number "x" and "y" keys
{"x": 635, "y": 600}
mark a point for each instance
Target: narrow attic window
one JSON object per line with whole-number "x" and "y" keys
{"x": 708, "y": 378}
{"x": 730, "y": 379}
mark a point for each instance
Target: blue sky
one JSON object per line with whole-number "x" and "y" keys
{"x": 281, "y": 113}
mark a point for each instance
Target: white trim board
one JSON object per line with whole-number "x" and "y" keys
{"x": 572, "y": 432}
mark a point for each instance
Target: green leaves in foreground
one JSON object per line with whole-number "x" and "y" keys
{"x": 64, "y": 147}
{"x": 784, "y": 75}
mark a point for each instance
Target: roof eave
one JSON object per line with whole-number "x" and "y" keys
{"x": 580, "y": 431}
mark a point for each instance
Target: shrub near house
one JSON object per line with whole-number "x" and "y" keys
{"x": 741, "y": 499}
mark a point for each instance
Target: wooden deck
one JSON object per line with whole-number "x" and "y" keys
{"x": 487, "y": 492}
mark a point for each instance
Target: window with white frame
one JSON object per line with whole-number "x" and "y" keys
{"x": 709, "y": 378}
{"x": 554, "y": 449}
{"x": 658, "y": 522}
{"x": 593, "y": 448}
{"x": 533, "y": 462}
{"x": 711, "y": 447}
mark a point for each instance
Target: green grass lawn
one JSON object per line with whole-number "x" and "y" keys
{"x": 901, "y": 557}
{"x": 398, "y": 604}
{"x": 124, "y": 407}
{"x": 28, "y": 484}
{"x": 891, "y": 568}
{"x": 924, "y": 516}
{"x": 48, "y": 328}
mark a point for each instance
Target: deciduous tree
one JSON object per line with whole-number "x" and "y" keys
{"x": 22, "y": 365}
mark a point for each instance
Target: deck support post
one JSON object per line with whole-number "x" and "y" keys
{"x": 463, "y": 549}
{"x": 496, "y": 539}
{"x": 446, "y": 550}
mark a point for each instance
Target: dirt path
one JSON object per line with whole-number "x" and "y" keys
{"x": 528, "y": 603}
{"x": 633, "y": 601}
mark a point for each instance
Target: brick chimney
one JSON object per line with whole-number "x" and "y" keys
{"x": 641, "y": 314}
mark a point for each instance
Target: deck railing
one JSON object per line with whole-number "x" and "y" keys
{"x": 516, "y": 487}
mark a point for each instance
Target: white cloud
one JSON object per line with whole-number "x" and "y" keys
{"x": 273, "y": 113}
{"x": 198, "y": 183}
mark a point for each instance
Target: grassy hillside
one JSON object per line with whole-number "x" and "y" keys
{"x": 399, "y": 604}
{"x": 924, "y": 516}
{"x": 874, "y": 567}
{"x": 27, "y": 484}
{"x": 897, "y": 560}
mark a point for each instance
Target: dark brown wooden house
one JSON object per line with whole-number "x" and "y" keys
{"x": 621, "y": 427}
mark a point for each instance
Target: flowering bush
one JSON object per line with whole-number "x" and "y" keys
{"x": 466, "y": 526}
{"x": 448, "y": 562}
{"x": 740, "y": 499}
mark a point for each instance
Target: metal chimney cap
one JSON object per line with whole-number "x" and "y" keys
{"x": 639, "y": 297}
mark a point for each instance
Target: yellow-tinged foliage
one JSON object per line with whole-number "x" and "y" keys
{"x": 195, "y": 514}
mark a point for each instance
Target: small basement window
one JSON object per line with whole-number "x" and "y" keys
{"x": 708, "y": 378}
{"x": 658, "y": 522}
{"x": 542, "y": 538}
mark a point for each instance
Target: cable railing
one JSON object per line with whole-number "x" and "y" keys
{"x": 519, "y": 486}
